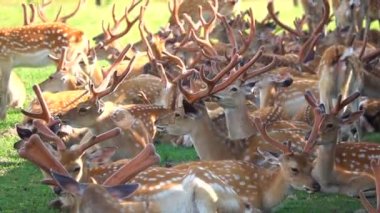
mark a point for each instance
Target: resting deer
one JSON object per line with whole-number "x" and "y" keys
{"x": 30, "y": 46}
{"x": 332, "y": 177}
{"x": 225, "y": 178}
{"x": 35, "y": 151}
{"x": 375, "y": 166}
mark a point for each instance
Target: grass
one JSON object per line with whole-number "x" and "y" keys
{"x": 20, "y": 190}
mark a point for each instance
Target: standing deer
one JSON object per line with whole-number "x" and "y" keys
{"x": 30, "y": 46}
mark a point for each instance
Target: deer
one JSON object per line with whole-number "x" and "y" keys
{"x": 35, "y": 151}
{"x": 375, "y": 166}
{"x": 332, "y": 177}
{"x": 235, "y": 175}
{"x": 97, "y": 115}
{"x": 68, "y": 75}
{"x": 352, "y": 76}
{"x": 30, "y": 46}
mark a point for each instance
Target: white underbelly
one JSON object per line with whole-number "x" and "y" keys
{"x": 36, "y": 59}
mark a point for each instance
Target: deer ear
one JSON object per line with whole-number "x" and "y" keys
{"x": 352, "y": 117}
{"x": 67, "y": 183}
{"x": 23, "y": 133}
{"x": 122, "y": 191}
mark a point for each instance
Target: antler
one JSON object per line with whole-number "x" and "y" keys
{"x": 45, "y": 114}
{"x": 262, "y": 129}
{"x": 33, "y": 10}
{"x": 271, "y": 12}
{"x": 261, "y": 70}
{"x": 80, "y": 149}
{"x": 104, "y": 88}
{"x": 143, "y": 160}
{"x": 97, "y": 139}
{"x": 246, "y": 41}
{"x": 35, "y": 151}
{"x": 65, "y": 60}
{"x": 129, "y": 24}
{"x": 313, "y": 38}
{"x": 311, "y": 141}
{"x": 175, "y": 15}
{"x": 45, "y": 131}
{"x": 341, "y": 104}
{"x": 41, "y": 13}
{"x": 204, "y": 42}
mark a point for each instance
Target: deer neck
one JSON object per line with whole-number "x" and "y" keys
{"x": 238, "y": 123}
{"x": 275, "y": 188}
{"x": 208, "y": 142}
{"x": 324, "y": 163}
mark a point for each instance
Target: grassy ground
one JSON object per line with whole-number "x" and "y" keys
{"x": 20, "y": 190}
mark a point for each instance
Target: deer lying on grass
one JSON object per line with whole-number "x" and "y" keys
{"x": 332, "y": 177}
{"x": 35, "y": 151}
{"x": 375, "y": 166}
{"x": 248, "y": 181}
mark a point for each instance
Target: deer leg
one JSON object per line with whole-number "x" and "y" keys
{"x": 5, "y": 72}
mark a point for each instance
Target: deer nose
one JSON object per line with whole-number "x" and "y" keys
{"x": 316, "y": 187}
{"x": 57, "y": 190}
{"x": 354, "y": 131}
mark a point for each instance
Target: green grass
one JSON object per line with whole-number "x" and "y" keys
{"x": 20, "y": 190}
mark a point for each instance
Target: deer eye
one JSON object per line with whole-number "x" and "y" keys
{"x": 76, "y": 169}
{"x": 51, "y": 77}
{"x": 294, "y": 171}
{"x": 234, "y": 89}
{"x": 329, "y": 126}
{"x": 83, "y": 110}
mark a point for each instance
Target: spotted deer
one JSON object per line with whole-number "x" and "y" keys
{"x": 98, "y": 115}
{"x": 35, "y": 151}
{"x": 332, "y": 177}
{"x": 209, "y": 143}
{"x": 30, "y": 46}
{"x": 351, "y": 77}
{"x": 375, "y": 166}
{"x": 225, "y": 178}
{"x": 68, "y": 75}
